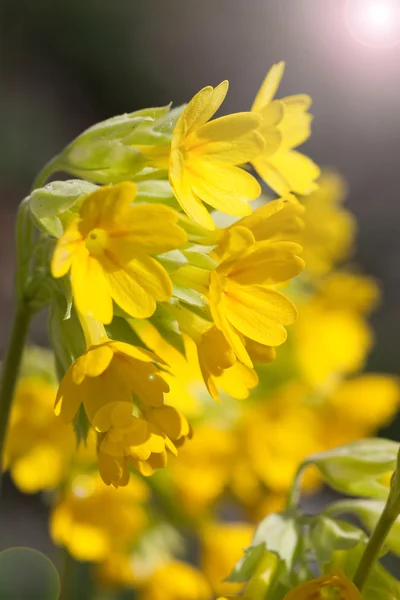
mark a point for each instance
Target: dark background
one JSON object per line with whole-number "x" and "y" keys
{"x": 65, "y": 64}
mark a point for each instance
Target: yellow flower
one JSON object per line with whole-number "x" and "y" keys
{"x": 39, "y": 447}
{"x": 93, "y": 521}
{"x": 242, "y": 298}
{"x": 370, "y": 400}
{"x": 332, "y": 336}
{"x": 108, "y": 372}
{"x": 144, "y": 441}
{"x": 335, "y": 586}
{"x": 176, "y": 580}
{"x": 202, "y": 470}
{"x": 204, "y": 157}
{"x": 223, "y": 545}
{"x": 275, "y": 436}
{"x": 285, "y": 125}
{"x": 329, "y": 229}
{"x": 107, "y": 251}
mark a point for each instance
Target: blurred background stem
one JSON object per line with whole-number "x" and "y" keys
{"x": 76, "y": 579}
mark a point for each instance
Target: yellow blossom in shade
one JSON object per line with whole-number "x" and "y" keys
{"x": 370, "y": 400}
{"x": 38, "y": 447}
{"x": 93, "y": 521}
{"x": 176, "y": 580}
{"x": 242, "y": 297}
{"x": 285, "y": 124}
{"x": 275, "y": 436}
{"x": 222, "y": 547}
{"x": 144, "y": 441}
{"x": 329, "y": 229}
{"x": 108, "y": 248}
{"x": 202, "y": 470}
{"x": 332, "y": 337}
{"x": 204, "y": 157}
{"x": 335, "y": 586}
{"x": 108, "y": 372}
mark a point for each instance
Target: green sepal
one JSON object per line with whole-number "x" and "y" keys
{"x": 168, "y": 327}
{"x": 282, "y": 534}
{"x": 121, "y": 330}
{"x": 198, "y": 257}
{"x": 81, "y": 425}
{"x": 172, "y": 260}
{"x": 157, "y": 190}
{"x": 189, "y": 296}
{"x": 54, "y": 205}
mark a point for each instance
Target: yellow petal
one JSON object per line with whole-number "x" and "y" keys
{"x": 199, "y": 110}
{"x": 149, "y": 228}
{"x": 235, "y": 241}
{"x": 226, "y": 188}
{"x": 295, "y": 126}
{"x": 269, "y": 86}
{"x": 106, "y": 388}
{"x": 181, "y": 186}
{"x": 169, "y": 420}
{"x": 258, "y": 313}
{"x": 267, "y": 263}
{"x": 278, "y": 219}
{"x": 105, "y": 205}
{"x": 238, "y": 380}
{"x": 139, "y": 285}
{"x": 96, "y": 360}
{"x": 288, "y": 171}
{"x": 68, "y": 244}
{"x": 90, "y": 288}
{"x": 69, "y": 397}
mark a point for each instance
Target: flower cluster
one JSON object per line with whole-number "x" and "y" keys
{"x": 137, "y": 246}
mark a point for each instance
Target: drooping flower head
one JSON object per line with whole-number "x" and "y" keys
{"x": 285, "y": 125}
{"x": 108, "y": 251}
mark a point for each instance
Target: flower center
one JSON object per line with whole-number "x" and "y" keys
{"x": 97, "y": 241}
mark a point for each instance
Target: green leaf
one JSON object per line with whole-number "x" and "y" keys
{"x": 247, "y": 565}
{"x": 121, "y": 330}
{"x": 27, "y": 574}
{"x": 52, "y": 204}
{"x": 358, "y": 468}
{"x": 281, "y": 534}
{"x": 327, "y": 535}
{"x": 189, "y": 296}
{"x": 66, "y": 335}
{"x": 369, "y": 511}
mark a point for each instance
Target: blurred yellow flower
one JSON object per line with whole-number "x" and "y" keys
{"x": 222, "y": 547}
{"x": 332, "y": 337}
{"x": 107, "y": 250}
{"x": 202, "y": 471}
{"x": 39, "y": 447}
{"x": 93, "y": 521}
{"x": 176, "y": 581}
{"x": 370, "y": 400}
{"x": 335, "y": 586}
{"x": 204, "y": 158}
{"x": 108, "y": 372}
{"x": 329, "y": 229}
{"x": 285, "y": 124}
{"x": 276, "y": 435}
{"x": 242, "y": 298}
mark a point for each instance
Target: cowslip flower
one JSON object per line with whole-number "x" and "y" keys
{"x": 334, "y": 585}
{"x": 107, "y": 250}
{"x": 88, "y": 517}
{"x": 110, "y": 371}
{"x": 285, "y": 124}
{"x": 175, "y": 580}
{"x": 143, "y": 440}
{"x": 203, "y": 157}
{"x": 242, "y": 298}
{"x": 39, "y": 446}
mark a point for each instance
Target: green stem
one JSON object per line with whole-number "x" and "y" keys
{"x": 295, "y": 490}
{"x": 376, "y": 541}
{"x": 11, "y": 365}
{"x": 51, "y": 167}
{"x": 76, "y": 579}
